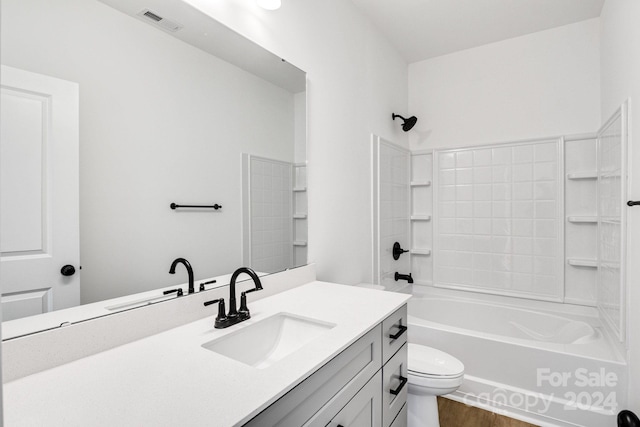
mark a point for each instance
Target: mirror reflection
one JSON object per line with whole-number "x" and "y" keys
{"x": 112, "y": 115}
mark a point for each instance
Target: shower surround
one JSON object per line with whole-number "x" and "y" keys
{"x": 514, "y": 235}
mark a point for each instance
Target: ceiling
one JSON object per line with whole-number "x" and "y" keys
{"x": 422, "y": 29}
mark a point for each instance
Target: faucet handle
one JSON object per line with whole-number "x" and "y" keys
{"x": 177, "y": 291}
{"x": 243, "y": 311}
{"x": 202, "y": 285}
{"x": 222, "y": 315}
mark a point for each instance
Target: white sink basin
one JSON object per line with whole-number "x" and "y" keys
{"x": 263, "y": 343}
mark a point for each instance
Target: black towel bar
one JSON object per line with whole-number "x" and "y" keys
{"x": 175, "y": 206}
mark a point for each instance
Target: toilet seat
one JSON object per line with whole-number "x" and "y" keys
{"x": 427, "y": 362}
{"x": 433, "y": 369}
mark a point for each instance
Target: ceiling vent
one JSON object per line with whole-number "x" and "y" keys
{"x": 159, "y": 21}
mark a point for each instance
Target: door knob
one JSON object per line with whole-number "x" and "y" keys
{"x": 68, "y": 270}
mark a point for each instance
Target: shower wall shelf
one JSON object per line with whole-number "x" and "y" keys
{"x": 581, "y": 226}
{"x": 609, "y": 220}
{"x": 608, "y": 264}
{"x": 583, "y": 175}
{"x": 300, "y": 209}
{"x": 421, "y": 227}
{"x": 583, "y": 219}
{"x": 420, "y": 251}
{"x": 592, "y": 263}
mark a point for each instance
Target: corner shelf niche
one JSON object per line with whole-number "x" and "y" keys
{"x": 582, "y": 175}
{"x": 581, "y": 226}
{"x": 583, "y": 219}
{"x": 300, "y": 214}
{"x": 421, "y": 261}
{"x": 592, "y": 263}
{"x": 416, "y": 251}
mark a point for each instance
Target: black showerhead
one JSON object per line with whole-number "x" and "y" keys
{"x": 407, "y": 123}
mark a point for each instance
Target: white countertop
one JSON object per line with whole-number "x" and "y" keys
{"x": 168, "y": 379}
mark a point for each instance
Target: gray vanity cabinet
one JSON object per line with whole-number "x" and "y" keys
{"x": 364, "y": 409}
{"x": 354, "y": 388}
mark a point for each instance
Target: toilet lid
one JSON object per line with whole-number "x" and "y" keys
{"x": 430, "y": 361}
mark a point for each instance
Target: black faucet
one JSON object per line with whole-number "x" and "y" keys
{"x": 235, "y": 316}
{"x": 406, "y": 277}
{"x": 183, "y": 261}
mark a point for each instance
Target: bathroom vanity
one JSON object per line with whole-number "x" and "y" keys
{"x": 339, "y": 358}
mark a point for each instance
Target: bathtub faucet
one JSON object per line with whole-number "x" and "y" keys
{"x": 406, "y": 277}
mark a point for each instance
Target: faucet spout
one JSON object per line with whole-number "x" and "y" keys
{"x": 406, "y": 277}
{"x": 184, "y": 262}
{"x": 233, "y": 312}
{"x": 235, "y": 316}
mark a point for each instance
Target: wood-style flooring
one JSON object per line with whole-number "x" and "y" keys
{"x": 456, "y": 414}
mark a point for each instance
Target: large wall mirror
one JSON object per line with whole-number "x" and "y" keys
{"x": 113, "y": 110}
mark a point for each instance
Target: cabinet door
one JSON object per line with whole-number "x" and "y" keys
{"x": 394, "y": 333}
{"x": 394, "y": 386}
{"x": 364, "y": 410}
{"x": 401, "y": 420}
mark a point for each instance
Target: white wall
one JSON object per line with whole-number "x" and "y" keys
{"x": 300, "y": 137}
{"x": 538, "y": 85}
{"x": 620, "y": 73}
{"x": 161, "y": 122}
{"x": 356, "y": 79}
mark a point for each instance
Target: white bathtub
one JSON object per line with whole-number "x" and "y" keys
{"x": 545, "y": 368}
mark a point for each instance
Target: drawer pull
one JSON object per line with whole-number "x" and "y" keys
{"x": 398, "y": 334}
{"x": 403, "y": 381}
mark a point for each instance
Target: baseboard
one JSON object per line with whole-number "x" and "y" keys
{"x": 535, "y": 408}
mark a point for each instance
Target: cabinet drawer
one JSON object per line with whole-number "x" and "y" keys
{"x": 364, "y": 409}
{"x": 401, "y": 420}
{"x": 394, "y": 326}
{"x": 346, "y": 373}
{"x": 394, "y": 386}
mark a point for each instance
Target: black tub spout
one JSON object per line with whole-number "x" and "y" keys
{"x": 406, "y": 277}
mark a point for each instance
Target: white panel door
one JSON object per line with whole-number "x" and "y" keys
{"x": 39, "y": 193}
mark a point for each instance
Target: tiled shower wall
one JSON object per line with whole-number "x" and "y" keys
{"x": 499, "y": 219}
{"x": 394, "y": 168}
{"x": 611, "y": 188}
{"x": 271, "y": 213}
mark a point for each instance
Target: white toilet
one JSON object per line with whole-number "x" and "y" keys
{"x": 431, "y": 373}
